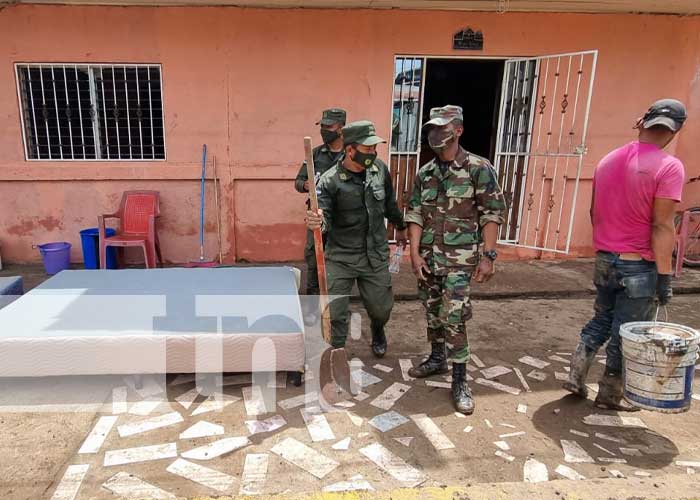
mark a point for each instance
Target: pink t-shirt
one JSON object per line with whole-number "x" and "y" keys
{"x": 626, "y": 182}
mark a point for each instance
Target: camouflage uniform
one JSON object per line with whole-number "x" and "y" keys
{"x": 452, "y": 207}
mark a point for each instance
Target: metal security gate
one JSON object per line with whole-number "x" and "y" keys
{"x": 545, "y": 103}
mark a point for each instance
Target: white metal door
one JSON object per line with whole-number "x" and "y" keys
{"x": 543, "y": 119}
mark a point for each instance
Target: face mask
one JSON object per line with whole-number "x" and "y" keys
{"x": 440, "y": 139}
{"x": 364, "y": 159}
{"x": 329, "y": 136}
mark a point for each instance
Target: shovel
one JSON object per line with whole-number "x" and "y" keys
{"x": 334, "y": 368}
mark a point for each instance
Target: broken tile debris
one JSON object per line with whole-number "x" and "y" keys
{"x": 440, "y": 385}
{"x": 613, "y": 421}
{"x": 304, "y": 457}
{"x": 574, "y": 454}
{"x": 512, "y": 434}
{"x": 579, "y": 433}
{"x": 387, "y": 421}
{"x": 215, "y": 402}
{"x": 535, "y": 471}
{"x": 296, "y": 401}
{"x": 406, "y": 441}
{"x": 520, "y": 376}
{"x": 317, "y": 424}
{"x": 538, "y": 375}
{"x": 631, "y": 452}
{"x": 361, "y": 396}
{"x": 342, "y": 445}
{"x": 559, "y": 359}
{"x": 355, "y": 483}
{"x": 216, "y": 448}
{"x": 188, "y": 398}
{"x": 149, "y": 424}
{"x": 569, "y": 473}
{"x": 509, "y": 426}
{"x": 687, "y": 463}
{"x": 361, "y": 378}
{"x": 616, "y": 473}
{"x": 355, "y": 419}
{"x": 405, "y": 365}
{"x": 432, "y": 432}
{"x": 521, "y": 408}
{"x": 268, "y": 425}
{"x": 254, "y": 401}
{"x": 143, "y": 408}
{"x": 140, "y": 454}
{"x": 477, "y": 361}
{"x": 202, "y": 429}
{"x": 608, "y": 437}
{"x": 392, "y": 394}
{"x": 468, "y": 429}
{"x": 129, "y": 487}
{"x": 395, "y": 466}
{"x": 383, "y": 368}
{"x": 70, "y": 483}
{"x": 98, "y": 434}
{"x": 502, "y": 445}
{"x": 498, "y": 386}
{"x": 642, "y": 473}
{"x": 495, "y": 371}
{"x": 205, "y": 476}
{"x": 504, "y": 455}
{"x": 534, "y": 362}
{"x": 254, "y": 474}
{"x": 119, "y": 404}
{"x": 488, "y": 423}
{"x": 604, "y": 449}
{"x": 561, "y": 376}
{"x": 610, "y": 460}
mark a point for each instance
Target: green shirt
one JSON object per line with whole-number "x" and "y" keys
{"x": 354, "y": 212}
{"x": 324, "y": 159}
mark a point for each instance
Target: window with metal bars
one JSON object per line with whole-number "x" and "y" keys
{"x": 91, "y": 112}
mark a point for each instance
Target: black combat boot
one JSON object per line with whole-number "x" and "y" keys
{"x": 378, "y": 341}
{"x": 434, "y": 365}
{"x": 580, "y": 364}
{"x": 610, "y": 393}
{"x": 461, "y": 394}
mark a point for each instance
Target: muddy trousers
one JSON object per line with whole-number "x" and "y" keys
{"x": 375, "y": 291}
{"x": 626, "y": 292}
{"x": 311, "y": 269}
{"x": 447, "y": 306}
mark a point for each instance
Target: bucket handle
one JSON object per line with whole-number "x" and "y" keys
{"x": 677, "y": 346}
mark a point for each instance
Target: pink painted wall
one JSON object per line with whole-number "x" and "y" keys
{"x": 250, "y": 83}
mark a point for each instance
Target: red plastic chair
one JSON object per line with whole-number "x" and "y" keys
{"x": 137, "y": 226}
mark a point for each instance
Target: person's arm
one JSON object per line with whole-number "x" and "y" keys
{"x": 300, "y": 181}
{"x": 414, "y": 218}
{"x": 393, "y": 213}
{"x": 324, "y": 217}
{"x": 663, "y": 234}
{"x": 491, "y": 205}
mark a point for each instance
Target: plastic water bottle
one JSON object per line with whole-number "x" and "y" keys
{"x": 395, "y": 261}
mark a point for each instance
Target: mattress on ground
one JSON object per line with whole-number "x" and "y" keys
{"x": 135, "y": 321}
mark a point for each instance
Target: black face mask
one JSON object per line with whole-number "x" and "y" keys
{"x": 329, "y": 136}
{"x": 366, "y": 160}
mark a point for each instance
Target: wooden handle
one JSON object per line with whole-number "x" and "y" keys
{"x": 318, "y": 244}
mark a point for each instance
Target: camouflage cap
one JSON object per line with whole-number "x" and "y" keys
{"x": 361, "y": 132}
{"x": 444, "y": 115}
{"x": 332, "y": 116}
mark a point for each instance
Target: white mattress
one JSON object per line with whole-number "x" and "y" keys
{"x": 137, "y": 321}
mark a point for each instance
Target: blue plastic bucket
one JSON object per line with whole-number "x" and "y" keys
{"x": 56, "y": 256}
{"x": 89, "y": 239}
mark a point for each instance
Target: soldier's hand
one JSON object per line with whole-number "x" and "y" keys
{"x": 306, "y": 186}
{"x": 420, "y": 266}
{"x": 314, "y": 221}
{"x": 401, "y": 237}
{"x": 485, "y": 270}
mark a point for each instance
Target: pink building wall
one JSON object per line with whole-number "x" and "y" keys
{"x": 251, "y": 82}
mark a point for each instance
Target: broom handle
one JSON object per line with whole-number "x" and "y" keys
{"x": 318, "y": 244}
{"x": 201, "y": 203}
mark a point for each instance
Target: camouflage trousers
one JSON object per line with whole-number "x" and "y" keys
{"x": 447, "y": 305}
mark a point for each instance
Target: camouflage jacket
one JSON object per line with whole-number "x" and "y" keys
{"x": 354, "y": 213}
{"x": 453, "y": 208}
{"x": 324, "y": 159}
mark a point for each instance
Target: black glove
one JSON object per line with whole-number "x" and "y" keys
{"x": 663, "y": 289}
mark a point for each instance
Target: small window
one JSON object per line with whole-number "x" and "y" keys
{"x": 91, "y": 112}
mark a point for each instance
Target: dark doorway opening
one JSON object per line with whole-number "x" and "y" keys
{"x": 473, "y": 84}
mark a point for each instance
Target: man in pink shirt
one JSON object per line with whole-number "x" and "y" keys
{"x": 636, "y": 190}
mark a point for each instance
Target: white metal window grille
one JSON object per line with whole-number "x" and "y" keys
{"x": 545, "y": 104}
{"x": 91, "y": 112}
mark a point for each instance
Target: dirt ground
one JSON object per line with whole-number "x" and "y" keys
{"x": 36, "y": 447}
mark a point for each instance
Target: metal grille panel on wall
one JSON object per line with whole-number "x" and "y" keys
{"x": 91, "y": 112}
{"x": 545, "y": 104}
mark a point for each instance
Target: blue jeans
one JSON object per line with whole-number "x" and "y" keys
{"x": 626, "y": 292}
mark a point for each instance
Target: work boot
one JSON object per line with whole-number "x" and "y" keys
{"x": 610, "y": 394}
{"x": 461, "y": 395}
{"x": 434, "y": 365}
{"x": 378, "y": 341}
{"x": 580, "y": 364}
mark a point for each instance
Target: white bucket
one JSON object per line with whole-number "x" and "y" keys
{"x": 659, "y": 360}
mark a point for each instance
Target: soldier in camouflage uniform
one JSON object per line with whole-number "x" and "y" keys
{"x": 456, "y": 206}
{"x": 355, "y": 196}
{"x": 325, "y": 156}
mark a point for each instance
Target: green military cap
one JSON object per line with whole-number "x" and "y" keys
{"x": 444, "y": 115}
{"x": 332, "y": 116}
{"x": 361, "y": 132}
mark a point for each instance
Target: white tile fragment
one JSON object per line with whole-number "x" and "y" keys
{"x": 304, "y": 457}
{"x": 440, "y": 385}
{"x": 593, "y": 387}
{"x": 563, "y": 353}
{"x": 579, "y": 433}
{"x": 538, "y": 375}
{"x": 559, "y": 359}
{"x": 355, "y": 483}
{"x": 512, "y": 434}
{"x": 216, "y": 448}
{"x": 392, "y": 394}
{"x": 687, "y": 463}
{"x": 471, "y": 368}
{"x": 383, "y": 368}
{"x": 432, "y": 432}
{"x": 520, "y": 376}
{"x": 696, "y": 397}
{"x": 149, "y": 387}
{"x": 468, "y": 429}
{"x": 495, "y": 371}
{"x": 128, "y": 487}
{"x": 254, "y": 474}
{"x": 535, "y": 471}
{"x": 689, "y": 471}
{"x": 642, "y": 473}
{"x": 140, "y": 454}
{"x": 143, "y": 408}
{"x": 342, "y": 445}
{"x": 361, "y": 396}
{"x": 608, "y": 437}
{"x": 477, "y": 361}
{"x": 317, "y": 424}
{"x": 202, "y": 429}
{"x": 631, "y": 452}
{"x": 406, "y": 441}
{"x": 199, "y": 474}
{"x": 521, "y": 408}
{"x": 613, "y": 421}
{"x": 604, "y": 449}
{"x": 164, "y": 420}
{"x": 296, "y": 401}
{"x": 405, "y": 365}
{"x": 188, "y": 398}
{"x": 488, "y": 423}
{"x": 561, "y": 376}
{"x": 254, "y": 401}
{"x": 119, "y": 404}
{"x": 534, "y": 362}
{"x": 504, "y": 455}
{"x": 363, "y": 435}
{"x": 185, "y": 378}
{"x": 502, "y": 445}
{"x": 574, "y": 454}
{"x": 355, "y": 419}
{"x": 569, "y": 473}
{"x": 387, "y": 421}
{"x": 345, "y": 404}
{"x": 215, "y": 402}
{"x": 509, "y": 426}
{"x": 616, "y": 473}
{"x": 448, "y": 378}
{"x": 268, "y": 425}
{"x": 395, "y": 466}
{"x": 498, "y": 386}
{"x": 460, "y": 415}
{"x": 70, "y": 483}
{"x": 97, "y": 435}
{"x": 611, "y": 460}
{"x": 361, "y": 378}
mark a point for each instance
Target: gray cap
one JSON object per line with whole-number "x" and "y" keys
{"x": 667, "y": 112}
{"x": 332, "y": 116}
{"x": 361, "y": 132}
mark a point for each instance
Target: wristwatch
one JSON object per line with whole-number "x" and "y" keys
{"x": 491, "y": 254}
